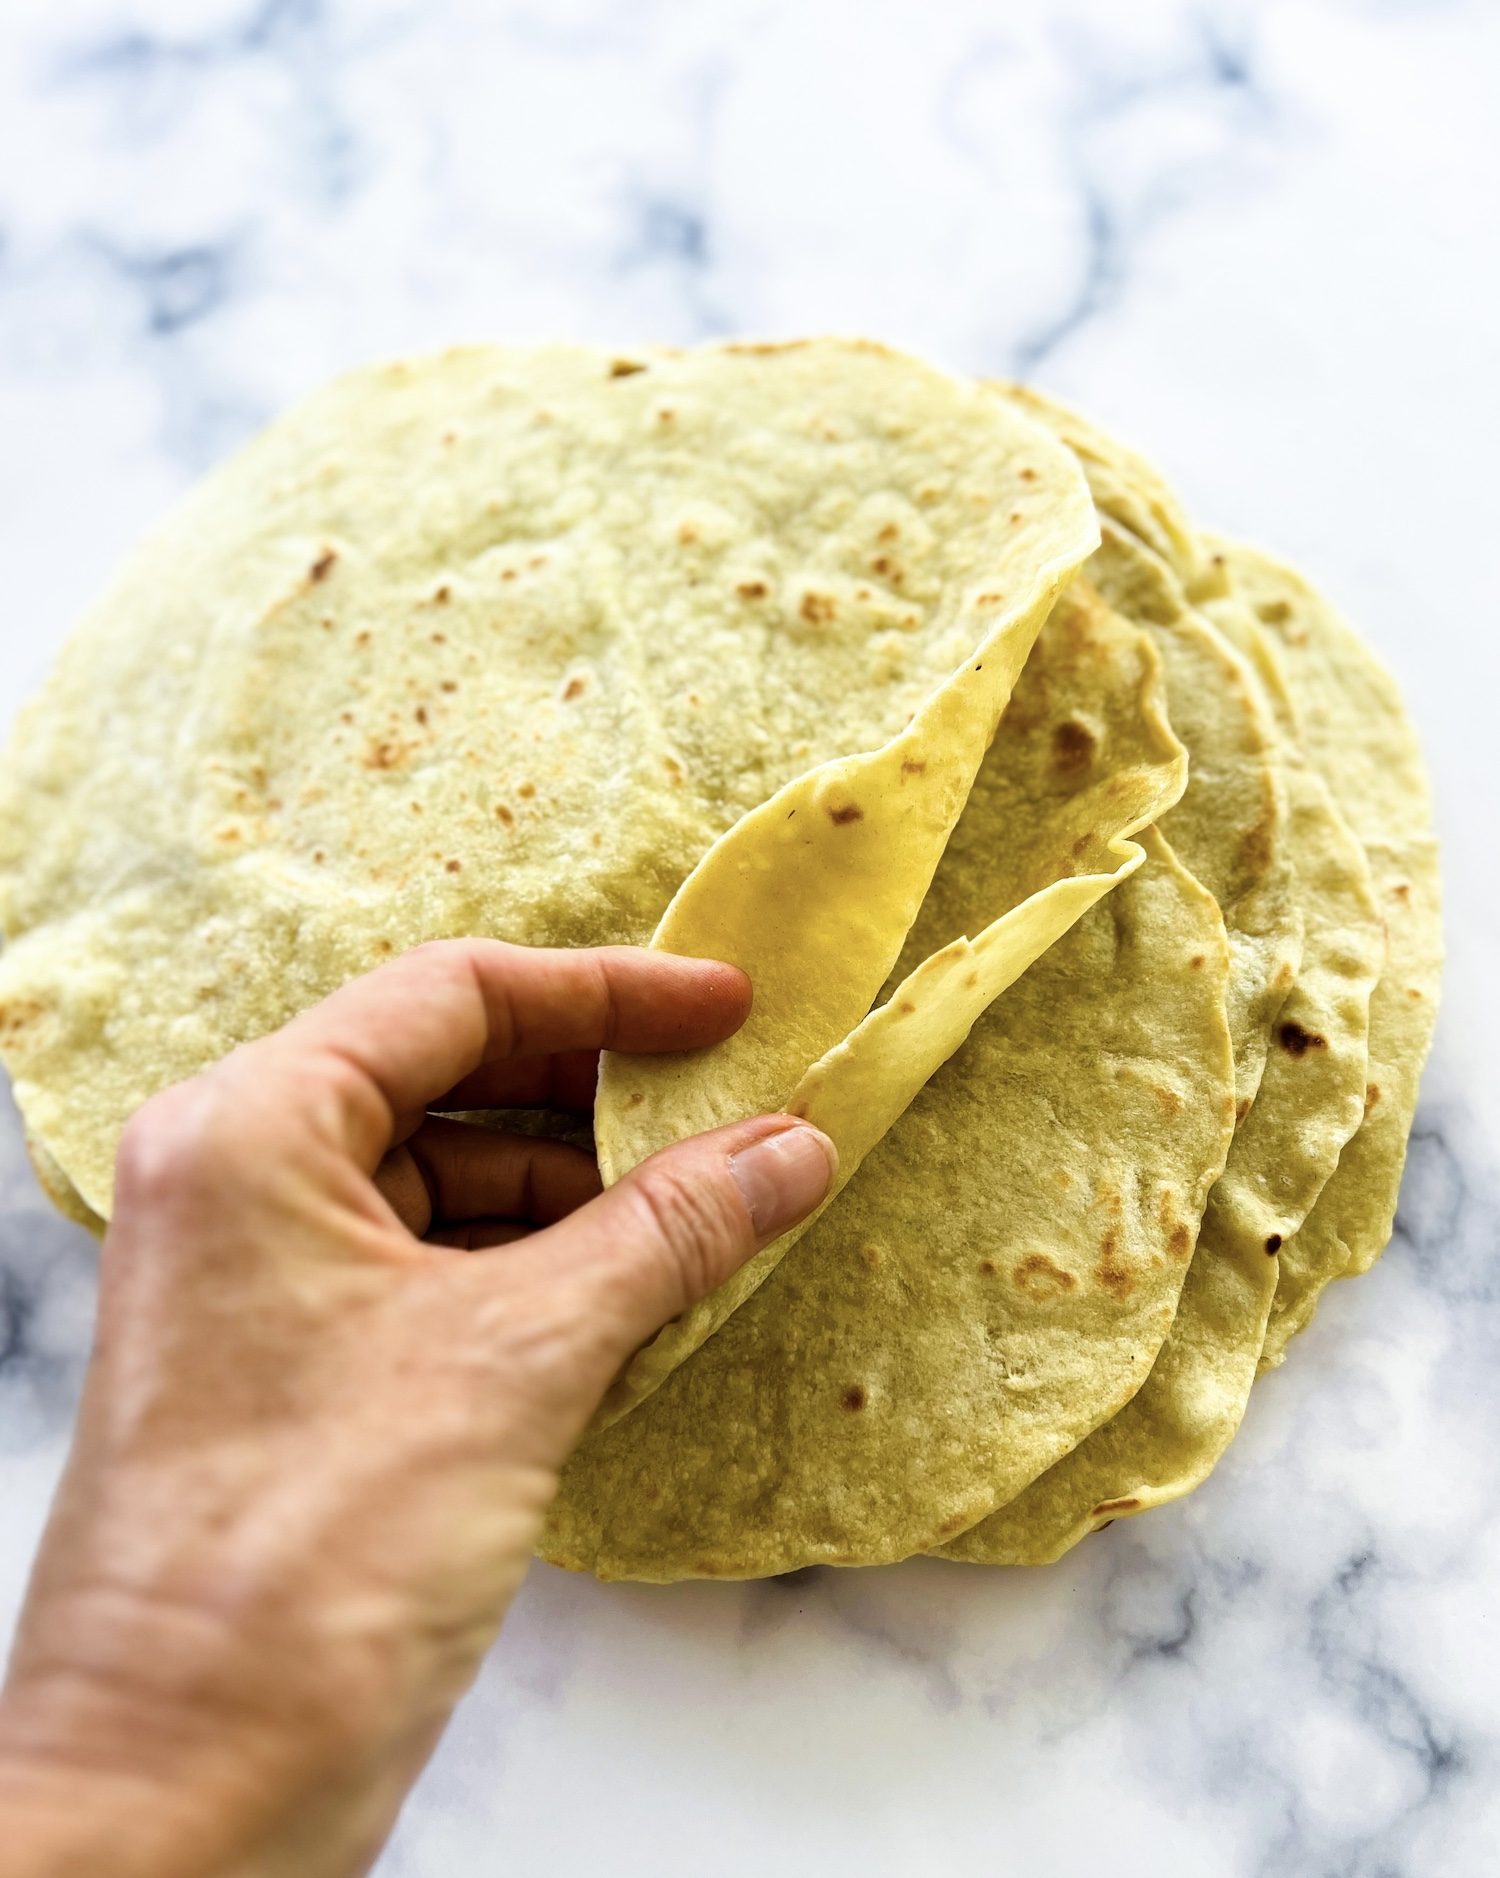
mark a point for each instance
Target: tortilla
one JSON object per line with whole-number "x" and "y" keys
{"x": 1168, "y": 1438}
{"x": 1356, "y": 730}
{"x": 908, "y": 1364}
{"x": 1084, "y": 758}
{"x": 502, "y": 642}
{"x": 1231, "y": 828}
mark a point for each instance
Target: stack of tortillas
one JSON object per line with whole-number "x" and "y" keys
{"x": 1082, "y": 862}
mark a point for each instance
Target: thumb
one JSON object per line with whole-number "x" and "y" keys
{"x": 679, "y": 1224}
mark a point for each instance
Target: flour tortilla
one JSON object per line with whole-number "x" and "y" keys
{"x": 913, "y": 1356}
{"x": 1356, "y": 730}
{"x": 1084, "y": 758}
{"x": 1231, "y": 827}
{"x": 1167, "y": 1439}
{"x": 501, "y": 642}
{"x": 1311, "y": 1098}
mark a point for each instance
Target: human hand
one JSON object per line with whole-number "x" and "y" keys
{"x": 317, "y": 1440}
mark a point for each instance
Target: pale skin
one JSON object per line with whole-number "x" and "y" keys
{"x": 343, "y": 1349}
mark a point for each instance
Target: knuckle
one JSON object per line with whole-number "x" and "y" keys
{"x": 168, "y": 1144}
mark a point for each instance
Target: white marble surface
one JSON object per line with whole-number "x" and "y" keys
{"x": 1262, "y": 240}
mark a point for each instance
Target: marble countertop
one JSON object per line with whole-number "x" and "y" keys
{"x": 1260, "y": 240}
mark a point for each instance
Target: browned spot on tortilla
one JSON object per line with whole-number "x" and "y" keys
{"x": 362, "y": 638}
{"x": 323, "y": 566}
{"x": 1372, "y": 1095}
{"x": 1082, "y": 845}
{"x": 889, "y": 532}
{"x": 1115, "y": 1506}
{"x": 1241, "y": 1109}
{"x": 526, "y": 791}
{"x": 384, "y": 947}
{"x": 673, "y": 769}
{"x": 1274, "y": 612}
{"x": 955, "y": 1522}
{"x": 1401, "y": 890}
{"x": 1284, "y": 976}
{"x": 818, "y": 608}
{"x": 854, "y": 1398}
{"x": 507, "y": 573}
{"x": 573, "y": 689}
{"x": 1296, "y": 1041}
{"x": 1169, "y": 1100}
{"x": 687, "y": 533}
{"x": 636, "y": 1099}
{"x": 1180, "y": 1241}
{"x": 624, "y": 368}
{"x": 752, "y": 590}
{"x": 1072, "y": 746}
{"x": 971, "y": 979}
{"x": 384, "y": 755}
{"x": 870, "y": 1253}
{"x": 849, "y": 812}
{"x": 1027, "y": 475}
{"x": 665, "y": 415}
{"x": 1414, "y": 993}
{"x": 502, "y": 813}
{"x": 449, "y": 685}
{"x": 443, "y": 595}
{"x": 1255, "y": 847}
{"x": 989, "y": 599}
{"x": 906, "y": 1007}
{"x": 420, "y": 714}
{"x": 1038, "y": 1277}
{"x": 452, "y": 867}
{"x": 986, "y": 1268}
{"x": 1273, "y": 1243}
{"x": 438, "y": 639}
{"x": 1197, "y": 962}
{"x": 1113, "y": 1277}
{"x": 1015, "y": 515}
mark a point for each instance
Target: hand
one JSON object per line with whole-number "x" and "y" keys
{"x": 317, "y": 1440}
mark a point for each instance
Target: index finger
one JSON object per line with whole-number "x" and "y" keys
{"x": 414, "y": 1028}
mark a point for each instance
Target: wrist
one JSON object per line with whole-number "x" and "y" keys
{"x": 85, "y": 1787}
{"x": 104, "y": 1778}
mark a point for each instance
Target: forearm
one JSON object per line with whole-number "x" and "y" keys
{"x": 92, "y": 1782}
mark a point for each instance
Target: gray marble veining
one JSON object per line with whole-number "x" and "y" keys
{"x": 1261, "y": 240}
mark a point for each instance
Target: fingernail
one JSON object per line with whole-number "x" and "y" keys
{"x": 784, "y": 1176}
